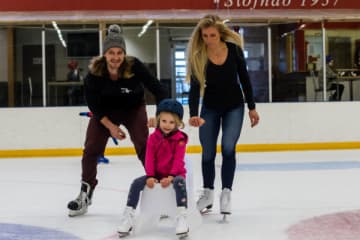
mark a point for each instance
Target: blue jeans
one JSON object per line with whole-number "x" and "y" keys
{"x": 231, "y": 123}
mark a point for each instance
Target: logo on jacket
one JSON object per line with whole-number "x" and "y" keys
{"x": 125, "y": 90}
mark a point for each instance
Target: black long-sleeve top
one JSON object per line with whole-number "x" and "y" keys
{"x": 104, "y": 95}
{"x": 225, "y": 84}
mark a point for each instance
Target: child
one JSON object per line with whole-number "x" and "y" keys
{"x": 164, "y": 164}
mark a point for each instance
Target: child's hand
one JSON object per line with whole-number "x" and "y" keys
{"x": 150, "y": 182}
{"x": 165, "y": 182}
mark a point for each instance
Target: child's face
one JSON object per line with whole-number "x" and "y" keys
{"x": 167, "y": 122}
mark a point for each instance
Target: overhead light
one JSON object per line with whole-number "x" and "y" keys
{"x": 59, "y": 33}
{"x": 226, "y": 21}
{"x": 145, "y": 27}
{"x": 302, "y": 26}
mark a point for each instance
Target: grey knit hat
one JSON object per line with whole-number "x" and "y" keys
{"x": 114, "y": 38}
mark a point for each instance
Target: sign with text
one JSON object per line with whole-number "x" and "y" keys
{"x": 114, "y": 5}
{"x": 281, "y": 4}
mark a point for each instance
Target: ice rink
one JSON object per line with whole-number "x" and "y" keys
{"x": 307, "y": 195}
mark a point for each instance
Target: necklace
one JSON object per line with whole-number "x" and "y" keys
{"x": 217, "y": 52}
{"x": 217, "y": 55}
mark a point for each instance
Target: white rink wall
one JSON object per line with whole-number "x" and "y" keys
{"x": 62, "y": 127}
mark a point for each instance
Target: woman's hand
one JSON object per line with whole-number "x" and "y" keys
{"x": 152, "y": 122}
{"x": 196, "y": 121}
{"x": 150, "y": 182}
{"x": 117, "y": 132}
{"x": 165, "y": 182}
{"x": 254, "y": 117}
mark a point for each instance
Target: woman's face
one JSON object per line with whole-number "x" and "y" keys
{"x": 210, "y": 36}
{"x": 167, "y": 122}
{"x": 114, "y": 57}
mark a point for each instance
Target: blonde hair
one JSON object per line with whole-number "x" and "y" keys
{"x": 98, "y": 67}
{"x": 179, "y": 123}
{"x": 196, "y": 50}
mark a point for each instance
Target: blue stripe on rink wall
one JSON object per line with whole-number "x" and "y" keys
{"x": 297, "y": 166}
{"x": 26, "y": 232}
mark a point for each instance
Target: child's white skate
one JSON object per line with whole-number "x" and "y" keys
{"x": 127, "y": 222}
{"x": 182, "y": 227}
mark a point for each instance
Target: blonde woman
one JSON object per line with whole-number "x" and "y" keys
{"x": 217, "y": 72}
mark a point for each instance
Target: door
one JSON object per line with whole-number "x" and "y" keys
{"x": 32, "y": 72}
{"x": 340, "y": 50}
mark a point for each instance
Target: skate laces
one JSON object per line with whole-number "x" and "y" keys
{"x": 225, "y": 200}
{"x": 204, "y": 195}
{"x": 82, "y": 199}
{"x": 181, "y": 216}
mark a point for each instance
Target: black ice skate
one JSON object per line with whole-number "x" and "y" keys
{"x": 80, "y": 205}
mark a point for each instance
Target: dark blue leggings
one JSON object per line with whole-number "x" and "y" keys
{"x": 138, "y": 185}
{"x": 230, "y": 123}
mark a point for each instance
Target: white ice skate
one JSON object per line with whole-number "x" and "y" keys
{"x": 80, "y": 205}
{"x": 205, "y": 202}
{"x": 182, "y": 227}
{"x": 225, "y": 203}
{"x": 126, "y": 222}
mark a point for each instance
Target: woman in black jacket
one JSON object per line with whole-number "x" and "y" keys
{"x": 217, "y": 71}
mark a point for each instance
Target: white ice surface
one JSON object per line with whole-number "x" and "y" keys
{"x": 265, "y": 202}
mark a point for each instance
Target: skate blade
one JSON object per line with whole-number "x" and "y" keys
{"x": 182, "y": 235}
{"x": 123, "y": 235}
{"x": 164, "y": 216}
{"x": 225, "y": 213}
{"x": 205, "y": 211}
{"x": 224, "y": 218}
{"x": 74, "y": 213}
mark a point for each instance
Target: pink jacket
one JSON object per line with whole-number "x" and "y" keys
{"x": 165, "y": 154}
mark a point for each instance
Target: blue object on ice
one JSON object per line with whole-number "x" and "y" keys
{"x": 10, "y": 231}
{"x": 103, "y": 159}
